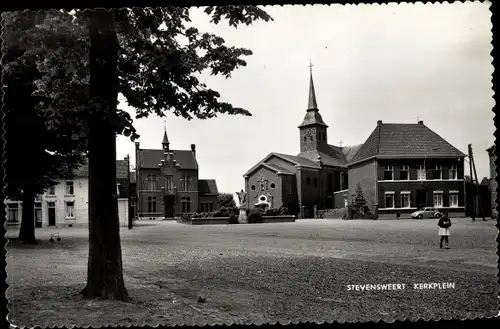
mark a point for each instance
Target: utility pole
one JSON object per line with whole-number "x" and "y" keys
{"x": 129, "y": 206}
{"x": 473, "y": 176}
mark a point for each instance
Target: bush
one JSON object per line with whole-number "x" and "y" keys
{"x": 185, "y": 218}
{"x": 226, "y": 212}
{"x": 233, "y": 219}
{"x": 202, "y": 215}
{"x": 255, "y": 215}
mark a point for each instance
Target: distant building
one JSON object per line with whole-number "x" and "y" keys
{"x": 493, "y": 183}
{"x": 400, "y": 167}
{"x": 167, "y": 183}
{"x": 67, "y": 202}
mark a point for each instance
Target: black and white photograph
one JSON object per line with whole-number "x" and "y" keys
{"x": 247, "y": 164}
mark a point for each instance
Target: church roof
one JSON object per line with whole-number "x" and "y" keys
{"x": 149, "y": 158}
{"x": 207, "y": 186}
{"x": 299, "y": 160}
{"x": 405, "y": 140}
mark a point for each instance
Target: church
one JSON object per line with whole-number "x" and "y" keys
{"x": 400, "y": 168}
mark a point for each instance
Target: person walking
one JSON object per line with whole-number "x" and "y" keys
{"x": 444, "y": 230}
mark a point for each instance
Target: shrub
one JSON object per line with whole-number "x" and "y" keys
{"x": 226, "y": 212}
{"x": 255, "y": 215}
{"x": 202, "y": 215}
{"x": 185, "y": 217}
{"x": 233, "y": 219}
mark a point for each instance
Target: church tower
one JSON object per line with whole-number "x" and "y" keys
{"x": 313, "y": 131}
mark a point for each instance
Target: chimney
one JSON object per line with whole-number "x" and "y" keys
{"x": 379, "y": 122}
{"x": 193, "y": 149}
{"x": 420, "y": 122}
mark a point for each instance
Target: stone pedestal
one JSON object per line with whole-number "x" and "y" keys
{"x": 242, "y": 219}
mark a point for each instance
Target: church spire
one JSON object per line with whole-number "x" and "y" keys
{"x": 313, "y": 105}
{"x": 165, "y": 141}
{"x": 312, "y": 117}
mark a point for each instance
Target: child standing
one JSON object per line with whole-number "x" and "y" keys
{"x": 444, "y": 230}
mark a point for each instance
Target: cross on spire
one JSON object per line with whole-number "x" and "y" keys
{"x": 340, "y": 143}
{"x": 310, "y": 67}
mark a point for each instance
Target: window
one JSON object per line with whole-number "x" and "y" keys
{"x": 186, "y": 204}
{"x": 453, "y": 172}
{"x": 389, "y": 173}
{"x": 70, "y": 209}
{"x": 421, "y": 173}
{"x": 38, "y": 212}
{"x": 453, "y": 198}
{"x": 330, "y": 185}
{"x": 151, "y": 204}
{"x": 51, "y": 190}
{"x": 13, "y": 212}
{"x": 404, "y": 173}
{"x": 438, "y": 172}
{"x": 206, "y": 207}
{"x": 262, "y": 185}
{"x": 186, "y": 181}
{"x": 305, "y": 138}
{"x": 405, "y": 199}
{"x": 315, "y": 182}
{"x": 70, "y": 188}
{"x": 272, "y": 185}
{"x": 151, "y": 182}
{"x": 389, "y": 199}
{"x": 438, "y": 199}
{"x": 308, "y": 180}
{"x": 169, "y": 183}
{"x": 253, "y": 187}
{"x": 311, "y": 137}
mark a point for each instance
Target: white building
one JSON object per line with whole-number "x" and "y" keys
{"x": 66, "y": 204}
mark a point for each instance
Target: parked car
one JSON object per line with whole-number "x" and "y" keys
{"x": 427, "y": 212}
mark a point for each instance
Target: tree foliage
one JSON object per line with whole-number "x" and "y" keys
{"x": 159, "y": 58}
{"x": 36, "y": 155}
{"x": 225, "y": 200}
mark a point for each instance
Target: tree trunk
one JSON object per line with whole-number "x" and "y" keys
{"x": 27, "y": 230}
{"x": 105, "y": 274}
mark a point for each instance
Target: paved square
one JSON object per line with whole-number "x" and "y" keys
{"x": 262, "y": 272}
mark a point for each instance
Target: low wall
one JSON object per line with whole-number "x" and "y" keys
{"x": 337, "y": 213}
{"x": 278, "y": 219}
{"x": 208, "y": 221}
{"x": 225, "y": 220}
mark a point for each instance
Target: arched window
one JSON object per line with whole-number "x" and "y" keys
{"x": 312, "y": 137}
{"x": 305, "y": 138}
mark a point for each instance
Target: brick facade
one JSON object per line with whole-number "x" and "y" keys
{"x": 168, "y": 184}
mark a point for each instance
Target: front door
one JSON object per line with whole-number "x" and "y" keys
{"x": 421, "y": 199}
{"x": 168, "y": 205}
{"x": 52, "y": 214}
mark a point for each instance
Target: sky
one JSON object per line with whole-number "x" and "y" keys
{"x": 397, "y": 63}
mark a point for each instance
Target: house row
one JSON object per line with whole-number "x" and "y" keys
{"x": 66, "y": 204}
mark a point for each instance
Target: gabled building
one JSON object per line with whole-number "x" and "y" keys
{"x": 404, "y": 167}
{"x": 493, "y": 183}
{"x": 400, "y": 167}
{"x": 167, "y": 183}
{"x": 66, "y": 203}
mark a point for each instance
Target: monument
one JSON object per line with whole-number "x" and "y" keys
{"x": 241, "y": 204}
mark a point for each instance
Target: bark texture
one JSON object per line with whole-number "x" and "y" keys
{"x": 105, "y": 273}
{"x": 27, "y": 230}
